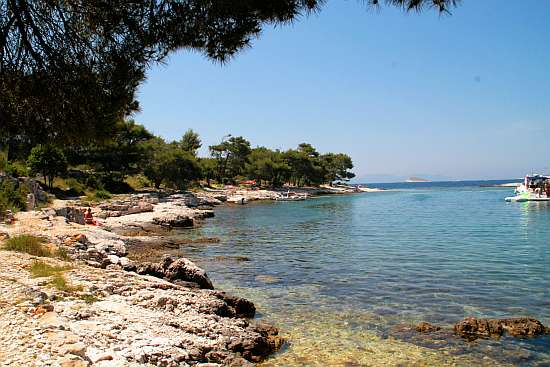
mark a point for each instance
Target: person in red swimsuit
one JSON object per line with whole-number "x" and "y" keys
{"x": 88, "y": 217}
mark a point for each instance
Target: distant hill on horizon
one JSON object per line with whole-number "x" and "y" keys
{"x": 417, "y": 179}
{"x": 376, "y": 179}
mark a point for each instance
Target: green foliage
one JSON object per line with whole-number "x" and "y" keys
{"x": 190, "y": 142}
{"x": 17, "y": 169}
{"x": 12, "y": 196}
{"x": 102, "y": 194}
{"x": 267, "y": 165}
{"x": 305, "y": 166}
{"x": 209, "y": 169}
{"x": 29, "y": 244}
{"x": 3, "y": 161}
{"x": 40, "y": 269}
{"x": 47, "y": 161}
{"x": 14, "y": 168}
{"x": 98, "y": 195}
{"x": 231, "y": 156}
{"x": 168, "y": 164}
{"x": 337, "y": 166}
{"x": 121, "y": 154}
{"x": 233, "y": 159}
{"x": 69, "y": 71}
{"x": 138, "y": 182}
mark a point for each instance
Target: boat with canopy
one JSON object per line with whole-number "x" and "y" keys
{"x": 534, "y": 188}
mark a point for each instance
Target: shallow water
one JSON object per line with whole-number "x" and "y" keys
{"x": 338, "y": 273}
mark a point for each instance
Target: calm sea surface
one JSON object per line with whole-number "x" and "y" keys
{"x": 340, "y": 274}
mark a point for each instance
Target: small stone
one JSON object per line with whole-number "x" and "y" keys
{"x": 78, "y": 349}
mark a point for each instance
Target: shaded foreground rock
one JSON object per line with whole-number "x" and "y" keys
{"x": 518, "y": 327}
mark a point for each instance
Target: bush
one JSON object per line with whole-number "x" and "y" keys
{"x": 138, "y": 182}
{"x": 102, "y": 194}
{"x": 98, "y": 195}
{"x": 12, "y": 197}
{"x": 17, "y": 169}
{"x": 28, "y": 244}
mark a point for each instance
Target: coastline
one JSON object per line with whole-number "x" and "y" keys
{"x": 162, "y": 307}
{"x": 129, "y": 303}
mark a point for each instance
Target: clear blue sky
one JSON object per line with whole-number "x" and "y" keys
{"x": 465, "y": 96}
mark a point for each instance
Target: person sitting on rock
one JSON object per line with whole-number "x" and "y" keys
{"x": 89, "y": 218}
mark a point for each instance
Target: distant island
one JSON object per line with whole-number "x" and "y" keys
{"x": 417, "y": 179}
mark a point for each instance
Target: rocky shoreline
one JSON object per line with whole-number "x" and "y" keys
{"x": 128, "y": 303}
{"x": 116, "y": 311}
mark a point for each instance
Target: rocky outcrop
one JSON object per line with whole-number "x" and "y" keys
{"x": 518, "y": 327}
{"x": 97, "y": 249}
{"x": 169, "y": 212}
{"x": 176, "y": 270}
{"x": 135, "y": 204}
{"x": 116, "y": 318}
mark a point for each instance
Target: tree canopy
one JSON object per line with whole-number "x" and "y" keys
{"x": 69, "y": 70}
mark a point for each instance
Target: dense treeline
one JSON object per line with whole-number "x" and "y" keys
{"x": 135, "y": 153}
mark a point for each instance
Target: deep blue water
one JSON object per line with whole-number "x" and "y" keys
{"x": 427, "y": 252}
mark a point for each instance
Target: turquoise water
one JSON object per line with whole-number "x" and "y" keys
{"x": 339, "y": 273}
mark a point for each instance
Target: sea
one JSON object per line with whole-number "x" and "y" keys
{"x": 344, "y": 276}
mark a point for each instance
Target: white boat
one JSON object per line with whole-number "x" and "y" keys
{"x": 533, "y": 188}
{"x": 291, "y": 196}
{"x": 237, "y": 199}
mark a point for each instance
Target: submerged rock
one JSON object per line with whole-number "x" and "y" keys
{"x": 518, "y": 327}
{"x": 426, "y": 327}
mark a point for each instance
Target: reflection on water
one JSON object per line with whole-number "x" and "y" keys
{"x": 336, "y": 274}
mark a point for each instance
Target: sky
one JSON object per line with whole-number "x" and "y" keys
{"x": 465, "y": 96}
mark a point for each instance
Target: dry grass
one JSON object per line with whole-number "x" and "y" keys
{"x": 34, "y": 245}
{"x": 28, "y": 244}
{"x": 40, "y": 269}
{"x": 61, "y": 284}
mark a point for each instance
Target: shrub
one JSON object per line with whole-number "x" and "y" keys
{"x": 40, "y": 269}
{"x": 138, "y": 182}
{"x": 98, "y": 195}
{"x": 17, "y": 169}
{"x": 28, "y": 244}
{"x": 12, "y": 197}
